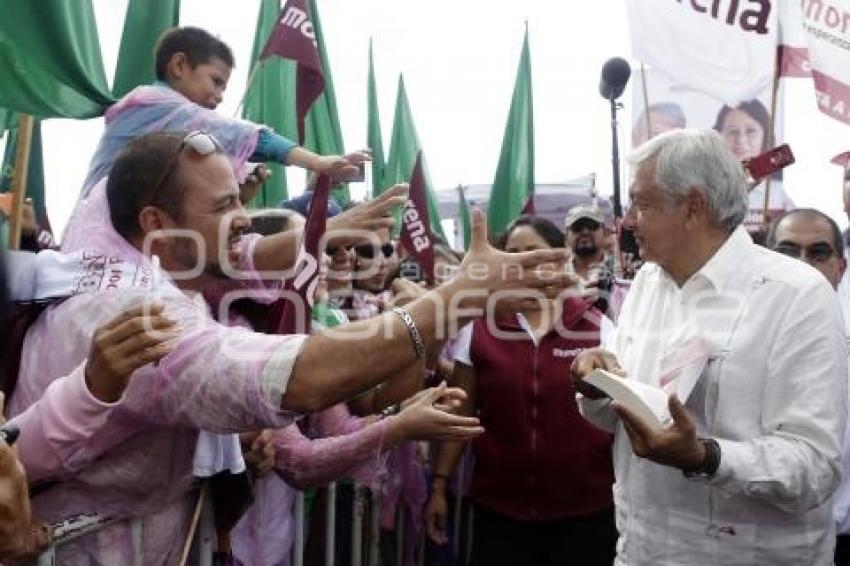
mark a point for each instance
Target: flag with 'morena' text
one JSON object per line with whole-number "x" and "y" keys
{"x": 291, "y": 313}
{"x": 416, "y": 233}
{"x": 295, "y": 38}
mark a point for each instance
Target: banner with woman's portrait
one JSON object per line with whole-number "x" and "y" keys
{"x": 659, "y": 104}
{"x": 711, "y": 65}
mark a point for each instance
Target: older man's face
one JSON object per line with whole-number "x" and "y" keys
{"x": 810, "y": 239}
{"x": 658, "y": 223}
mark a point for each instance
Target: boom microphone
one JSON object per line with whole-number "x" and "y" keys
{"x": 615, "y": 75}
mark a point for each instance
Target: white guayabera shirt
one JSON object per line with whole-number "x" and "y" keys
{"x": 773, "y": 393}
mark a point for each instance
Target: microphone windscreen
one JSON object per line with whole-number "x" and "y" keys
{"x": 615, "y": 76}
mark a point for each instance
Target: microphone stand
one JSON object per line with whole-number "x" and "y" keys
{"x": 628, "y": 246}
{"x": 615, "y": 160}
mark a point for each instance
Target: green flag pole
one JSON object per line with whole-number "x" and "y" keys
{"x": 19, "y": 184}
{"x": 464, "y": 216}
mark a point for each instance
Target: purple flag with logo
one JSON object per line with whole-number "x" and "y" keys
{"x": 286, "y": 316}
{"x": 415, "y": 222}
{"x": 294, "y": 38}
{"x": 528, "y": 208}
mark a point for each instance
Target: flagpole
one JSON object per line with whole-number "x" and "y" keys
{"x": 771, "y": 135}
{"x": 645, "y": 91}
{"x": 19, "y": 183}
{"x": 251, "y": 76}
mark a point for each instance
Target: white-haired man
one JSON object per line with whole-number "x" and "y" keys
{"x": 751, "y": 344}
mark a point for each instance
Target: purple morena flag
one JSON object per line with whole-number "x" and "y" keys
{"x": 528, "y": 208}
{"x": 287, "y": 317}
{"x": 415, "y": 222}
{"x": 294, "y": 38}
{"x": 842, "y": 159}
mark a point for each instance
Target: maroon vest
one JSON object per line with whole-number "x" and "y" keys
{"x": 538, "y": 459}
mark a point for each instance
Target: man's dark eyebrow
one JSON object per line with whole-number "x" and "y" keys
{"x": 813, "y": 244}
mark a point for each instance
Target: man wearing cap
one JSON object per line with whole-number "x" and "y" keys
{"x": 585, "y": 237}
{"x": 585, "y": 233}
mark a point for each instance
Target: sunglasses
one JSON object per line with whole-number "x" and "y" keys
{"x": 585, "y": 224}
{"x": 200, "y": 142}
{"x": 332, "y": 250}
{"x": 369, "y": 251}
{"x": 818, "y": 252}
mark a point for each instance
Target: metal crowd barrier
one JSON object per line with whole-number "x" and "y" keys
{"x": 364, "y": 499}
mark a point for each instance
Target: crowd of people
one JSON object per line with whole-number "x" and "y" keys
{"x": 145, "y": 376}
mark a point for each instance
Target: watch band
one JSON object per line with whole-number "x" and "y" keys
{"x": 710, "y": 463}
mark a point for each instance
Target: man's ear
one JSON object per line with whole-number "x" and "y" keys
{"x": 697, "y": 208}
{"x": 152, "y": 218}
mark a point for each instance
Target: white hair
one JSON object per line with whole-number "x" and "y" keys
{"x": 698, "y": 159}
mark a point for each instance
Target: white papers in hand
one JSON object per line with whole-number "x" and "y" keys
{"x": 646, "y": 401}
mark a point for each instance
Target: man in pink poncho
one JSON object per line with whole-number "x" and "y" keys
{"x": 217, "y": 378}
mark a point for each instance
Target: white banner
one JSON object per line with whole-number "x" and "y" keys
{"x": 815, "y": 41}
{"x": 745, "y": 127}
{"x": 722, "y": 48}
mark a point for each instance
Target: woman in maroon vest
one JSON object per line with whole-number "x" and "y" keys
{"x": 541, "y": 488}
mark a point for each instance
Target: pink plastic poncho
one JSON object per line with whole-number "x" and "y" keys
{"x": 217, "y": 379}
{"x": 342, "y": 446}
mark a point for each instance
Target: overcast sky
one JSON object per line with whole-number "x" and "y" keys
{"x": 459, "y": 60}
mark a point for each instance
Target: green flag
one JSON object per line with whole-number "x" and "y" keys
{"x": 464, "y": 216}
{"x": 50, "y": 59}
{"x": 144, "y": 23}
{"x": 35, "y": 171}
{"x": 375, "y": 139}
{"x": 323, "y": 134}
{"x": 514, "y": 181}
{"x": 270, "y": 100}
{"x": 404, "y": 145}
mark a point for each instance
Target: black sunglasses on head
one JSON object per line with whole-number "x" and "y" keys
{"x": 370, "y": 251}
{"x": 201, "y": 143}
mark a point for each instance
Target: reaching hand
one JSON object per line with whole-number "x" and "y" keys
{"x": 513, "y": 281}
{"x": 404, "y": 292}
{"x": 340, "y": 168}
{"x": 356, "y": 224}
{"x": 426, "y": 416}
{"x": 20, "y": 534}
{"x": 259, "y": 451}
{"x": 133, "y": 339}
